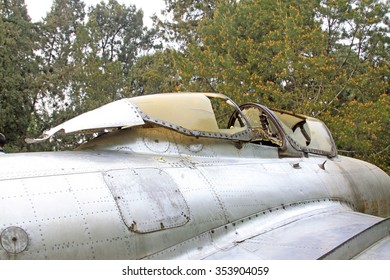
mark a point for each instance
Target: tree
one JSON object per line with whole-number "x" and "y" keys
{"x": 250, "y": 49}
{"x": 55, "y": 51}
{"x": 182, "y": 19}
{"x": 108, "y": 47}
{"x": 313, "y": 57}
{"x": 155, "y": 73}
{"x": 17, "y": 70}
{"x": 361, "y": 130}
{"x": 116, "y": 33}
{"x": 358, "y": 114}
{"x": 85, "y": 61}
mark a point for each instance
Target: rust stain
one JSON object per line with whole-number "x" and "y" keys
{"x": 374, "y": 207}
{"x": 379, "y": 207}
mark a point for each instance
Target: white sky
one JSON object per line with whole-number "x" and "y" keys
{"x": 37, "y": 9}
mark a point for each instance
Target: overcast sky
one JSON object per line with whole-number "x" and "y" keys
{"x": 37, "y": 9}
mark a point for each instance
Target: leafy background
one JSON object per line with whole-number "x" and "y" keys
{"x": 324, "y": 58}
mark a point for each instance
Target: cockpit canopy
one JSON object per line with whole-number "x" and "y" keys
{"x": 210, "y": 115}
{"x": 311, "y": 134}
{"x": 196, "y": 112}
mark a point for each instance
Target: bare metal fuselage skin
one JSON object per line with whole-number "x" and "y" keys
{"x": 165, "y": 186}
{"x": 201, "y": 194}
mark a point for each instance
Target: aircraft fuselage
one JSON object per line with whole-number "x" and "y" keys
{"x": 159, "y": 194}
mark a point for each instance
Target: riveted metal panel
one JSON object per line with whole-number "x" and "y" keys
{"x": 156, "y": 141}
{"x": 148, "y": 199}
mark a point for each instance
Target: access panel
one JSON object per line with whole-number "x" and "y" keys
{"x": 148, "y": 199}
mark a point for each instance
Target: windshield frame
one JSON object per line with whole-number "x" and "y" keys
{"x": 320, "y": 134}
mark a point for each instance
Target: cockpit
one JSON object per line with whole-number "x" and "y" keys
{"x": 209, "y": 115}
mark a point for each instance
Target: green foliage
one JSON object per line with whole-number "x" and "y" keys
{"x": 361, "y": 130}
{"x": 252, "y": 51}
{"x": 155, "y": 73}
{"x": 107, "y": 47}
{"x": 326, "y": 58}
{"x": 17, "y": 70}
{"x": 312, "y": 57}
{"x": 182, "y": 19}
{"x": 55, "y": 48}
{"x": 116, "y": 32}
{"x": 85, "y": 61}
{"x": 65, "y": 65}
